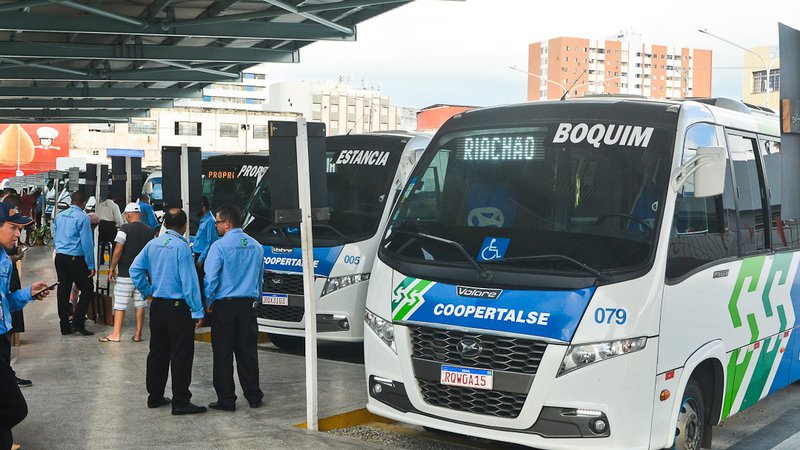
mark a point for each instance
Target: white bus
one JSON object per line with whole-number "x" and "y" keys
{"x": 364, "y": 174}
{"x": 607, "y": 273}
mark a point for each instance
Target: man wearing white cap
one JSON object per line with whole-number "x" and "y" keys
{"x": 131, "y": 239}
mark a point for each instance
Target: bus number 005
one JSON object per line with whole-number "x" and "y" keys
{"x": 606, "y": 315}
{"x": 350, "y": 259}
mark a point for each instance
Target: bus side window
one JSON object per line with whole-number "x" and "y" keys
{"x": 785, "y": 232}
{"x": 752, "y": 232}
{"x": 703, "y": 229}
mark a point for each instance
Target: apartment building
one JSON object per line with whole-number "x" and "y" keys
{"x": 754, "y": 86}
{"x": 623, "y": 64}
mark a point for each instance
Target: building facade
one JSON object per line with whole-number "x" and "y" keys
{"x": 619, "y": 65}
{"x": 233, "y": 117}
{"x": 754, "y": 84}
{"x": 341, "y": 106}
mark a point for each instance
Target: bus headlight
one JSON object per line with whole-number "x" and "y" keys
{"x": 336, "y": 283}
{"x": 583, "y": 355}
{"x": 383, "y": 328}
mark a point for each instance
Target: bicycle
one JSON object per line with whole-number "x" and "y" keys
{"x": 44, "y": 233}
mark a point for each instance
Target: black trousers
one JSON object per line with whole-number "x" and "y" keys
{"x": 235, "y": 332}
{"x": 73, "y": 269}
{"x": 13, "y": 408}
{"x": 171, "y": 347}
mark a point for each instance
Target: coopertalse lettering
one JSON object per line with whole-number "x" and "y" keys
{"x": 492, "y": 313}
{"x": 363, "y": 157}
{"x": 285, "y": 262}
{"x": 601, "y": 134}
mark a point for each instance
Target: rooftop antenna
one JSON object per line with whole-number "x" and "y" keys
{"x": 563, "y": 97}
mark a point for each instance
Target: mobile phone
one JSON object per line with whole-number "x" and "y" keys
{"x": 22, "y": 249}
{"x": 48, "y": 288}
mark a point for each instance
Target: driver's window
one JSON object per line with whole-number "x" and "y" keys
{"x": 703, "y": 229}
{"x": 427, "y": 189}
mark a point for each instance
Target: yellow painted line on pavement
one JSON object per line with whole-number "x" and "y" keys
{"x": 347, "y": 420}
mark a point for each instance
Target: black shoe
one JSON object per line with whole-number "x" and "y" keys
{"x": 219, "y": 407}
{"x": 66, "y": 332}
{"x": 188, "y": 409}
{"x": 158, "y": 403}
{"x": 23, "y": 383}
{"x": 84, "y": 332}
{"x": 257, "y": 404}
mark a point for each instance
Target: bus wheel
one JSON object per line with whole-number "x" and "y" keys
{"x": 288, "y": 343}
{"x": 691, "y": 419}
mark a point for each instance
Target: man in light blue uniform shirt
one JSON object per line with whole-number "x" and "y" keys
{"x": 148, "y": 214}
{"x": 13, "y": 408}
{"x": 206, "y": 234}
{"x": 74, "y": 247}
{"x": 167, "y": 261}
{"x": 234, "y": 270}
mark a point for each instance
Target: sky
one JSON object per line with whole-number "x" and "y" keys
{"x": 459, "y": 52}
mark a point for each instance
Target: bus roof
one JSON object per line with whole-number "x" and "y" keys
{"x": 728, "y": 112}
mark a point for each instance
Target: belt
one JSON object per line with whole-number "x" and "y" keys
{"x": 251, "y": 299}
{"x": 73, "y": 257}
{"x": 168, "y": 299}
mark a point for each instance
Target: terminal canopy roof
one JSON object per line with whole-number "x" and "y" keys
{"x": 69, "y": 61}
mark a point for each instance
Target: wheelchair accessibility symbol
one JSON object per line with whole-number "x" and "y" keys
{"x": 493, "y": 249}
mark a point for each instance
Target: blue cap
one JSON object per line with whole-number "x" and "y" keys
{"x": 10, "y": 213}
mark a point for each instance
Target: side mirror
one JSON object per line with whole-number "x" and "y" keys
{"x": 708, "y": 168}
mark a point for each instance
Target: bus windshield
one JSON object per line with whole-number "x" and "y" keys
{"x": 357, "y": 193}
{"x": 556, "y": 197}
{"x": 226, "y": 191}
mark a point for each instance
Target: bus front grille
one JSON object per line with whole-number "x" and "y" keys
{"x": 502, "y": 353}
{"x": 283, "y": 283}
{"x": 281, "y": 313}
{"x": 489, "y": 403}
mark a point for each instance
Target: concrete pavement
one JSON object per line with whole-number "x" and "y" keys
{"x": 91, "y": 395}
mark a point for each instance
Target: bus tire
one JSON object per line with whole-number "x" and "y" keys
{"x": 691, "y": 419}
{"x": 288, "y": 343}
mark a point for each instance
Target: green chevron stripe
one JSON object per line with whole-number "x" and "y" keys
{"x": 735, "y": 376}
{"x": 781, "y": 262}
{"x": 760, "y": 373}
{"x": 751, "y": 268}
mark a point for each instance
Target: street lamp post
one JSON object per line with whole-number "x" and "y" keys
{"x": 763, "y": 61}
{"x": 564, "y": 89}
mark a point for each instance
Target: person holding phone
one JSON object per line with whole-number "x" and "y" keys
{"x": 13, "y": 408}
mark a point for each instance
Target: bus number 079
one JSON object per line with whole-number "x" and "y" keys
{"x": 607, "y": 315}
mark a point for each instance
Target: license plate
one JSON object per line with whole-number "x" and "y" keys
{"x": 275, "y": 299}
{"x": 466, "y": 377}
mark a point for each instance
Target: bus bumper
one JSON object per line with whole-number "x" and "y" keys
{"x": 557, "y": 413}
{"x": 340, "y": 316}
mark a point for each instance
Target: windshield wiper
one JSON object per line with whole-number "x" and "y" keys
{"x": 575, "y": 262}
{"x": 485, "y": 274}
